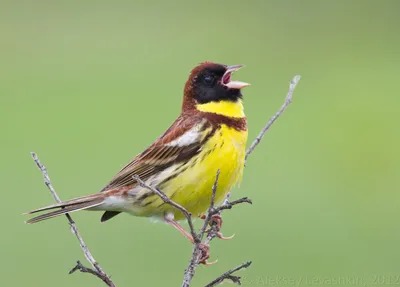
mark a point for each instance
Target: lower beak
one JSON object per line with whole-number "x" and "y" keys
{"x": 234, "y": 84}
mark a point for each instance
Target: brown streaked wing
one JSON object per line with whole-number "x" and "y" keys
{"x": 159, "y": 155}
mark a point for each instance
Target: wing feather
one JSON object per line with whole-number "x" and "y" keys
{"x": 162, "y": 154}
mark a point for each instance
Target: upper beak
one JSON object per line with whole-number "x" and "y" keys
{"x": 233, "y": 84}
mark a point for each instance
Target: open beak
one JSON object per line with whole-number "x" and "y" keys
{"x": 226, "y": 78}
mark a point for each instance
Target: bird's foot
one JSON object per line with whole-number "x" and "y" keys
{"x": 217, "y": 220}
{"x": 205, "y": 254}
{"x": 204, "y": 248}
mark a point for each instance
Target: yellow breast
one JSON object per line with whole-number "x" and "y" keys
{"x": 225, "y": 151}
{"x": 193, "y": 187}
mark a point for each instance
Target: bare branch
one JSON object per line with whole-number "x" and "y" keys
{"x": 214, "y": 189}
{"x": 193, "y": 263}
{"x": 230, "y": 204}
{"x": 97, "y": 270}
{"x": 211, "y": 210}
{"x": 166, "y": 199}
{"x": 227, "y": 204}
{"x": 228, "y": 275}
{"x": 197, "y": 254}
{"x": 288, "y": 100}
{"x": 84, "y": 269}
{"x": 211, "y": 233}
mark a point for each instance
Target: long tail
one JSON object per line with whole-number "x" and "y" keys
{"x": 72, "y": 205}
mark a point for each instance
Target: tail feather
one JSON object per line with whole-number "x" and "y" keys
{"x": 70, "y": 207}
{"x": 108, "y": 215}
{"x": 74, "y": 201}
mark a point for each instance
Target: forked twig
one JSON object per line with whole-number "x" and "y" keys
{"x": 198, "y": 237}
{"x": 97, "y": 270}
{"x": 228, "y": 275}
{"x": 167, "y": 200}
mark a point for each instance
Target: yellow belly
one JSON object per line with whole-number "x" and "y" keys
{"x": 192, "y": 188}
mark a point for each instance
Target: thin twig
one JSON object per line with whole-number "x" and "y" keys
{"x": 98, "y": 271}
{"x": 196, "y": 253}
{"x": 84, "y": 269}
{"x": 211, "y": 209}
{"x": 214, "y": 189}
{"x": 230, "y": 204}
{"x": 227, "y": 204}
{"x": 288, "y": 100}
{"x": 193, "y": 263}
{"x": 166, "y": 199}
{"x": 257, "y": 140}
{"x": 228, "y": 275}
{"x": 211, "y": 233}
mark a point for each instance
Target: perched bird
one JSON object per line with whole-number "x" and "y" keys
{"x": 209, "y": 134}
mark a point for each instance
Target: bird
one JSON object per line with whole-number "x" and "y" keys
{"x": 210, "y": 134}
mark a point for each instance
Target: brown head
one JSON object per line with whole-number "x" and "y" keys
{"x": 210, "y": 82}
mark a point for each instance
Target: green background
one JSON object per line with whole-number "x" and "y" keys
{"x": 88, "y": 85}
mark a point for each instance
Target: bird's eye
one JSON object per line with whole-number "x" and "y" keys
{"x": 208, "y": 79}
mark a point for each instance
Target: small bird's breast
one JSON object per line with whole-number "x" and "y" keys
{"x": 191, "y": 185}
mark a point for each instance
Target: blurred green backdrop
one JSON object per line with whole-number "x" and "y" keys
{"x": 88, "y": 85}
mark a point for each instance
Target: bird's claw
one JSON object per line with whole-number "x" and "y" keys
{"x": 205, "y": 254}
{"x": 206, "y": 263}
{"x": 217, "y": 220}
{"x": 221, "y": 236}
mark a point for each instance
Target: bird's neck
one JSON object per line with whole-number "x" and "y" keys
{"x": 224, "y": 108}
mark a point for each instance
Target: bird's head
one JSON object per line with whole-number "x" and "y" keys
{"x": 211, "y": 83}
